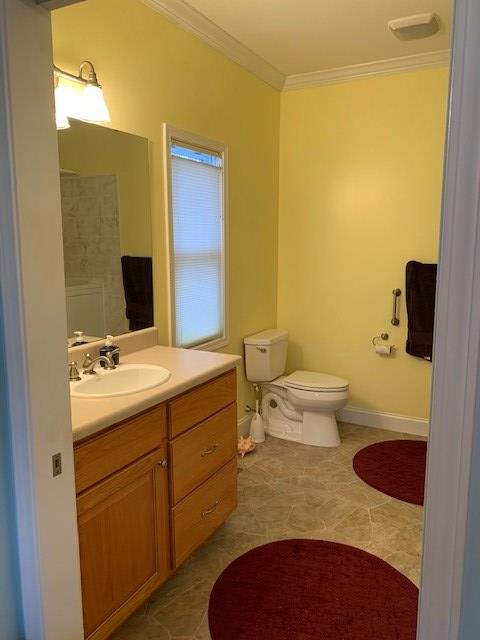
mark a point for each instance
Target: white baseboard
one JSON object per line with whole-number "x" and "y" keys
{"x": 244, "y": 425}
{"x": 366, "y": 418}
{"x": 387, "y": 421}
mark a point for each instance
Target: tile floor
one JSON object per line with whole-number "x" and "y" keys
{"x": 286, "y": 490}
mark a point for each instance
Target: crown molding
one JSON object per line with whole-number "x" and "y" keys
{"x": 368, "y": 69}
{"x": 193, "y": 21}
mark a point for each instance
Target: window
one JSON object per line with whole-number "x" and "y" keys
{"x": 195, "y": 178}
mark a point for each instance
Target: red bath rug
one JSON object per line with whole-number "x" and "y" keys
{"x": 312, "y": 590}
{"x": 394, "y": 467}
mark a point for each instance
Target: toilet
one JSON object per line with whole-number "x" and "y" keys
{"x": 300, "y": 406}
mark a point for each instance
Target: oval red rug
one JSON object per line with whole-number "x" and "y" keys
{"x": 312, "y": 590}
{"x": 394, "y": 467}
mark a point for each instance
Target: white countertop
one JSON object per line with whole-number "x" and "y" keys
{"x": 188, "y": 368}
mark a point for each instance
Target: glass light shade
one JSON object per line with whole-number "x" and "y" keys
{"x": 93, "y": 107}
{"x": 61, "y": 120}
{"x": 61, "y": 113}
{"x": 68, "y": 99}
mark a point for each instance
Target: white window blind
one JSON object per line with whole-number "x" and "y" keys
{"x": 197, "y": 238}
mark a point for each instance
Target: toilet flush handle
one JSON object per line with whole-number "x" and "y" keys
{"x": 262, "y": 349}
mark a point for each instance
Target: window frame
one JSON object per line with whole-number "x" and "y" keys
{"x": 171, "y": 134}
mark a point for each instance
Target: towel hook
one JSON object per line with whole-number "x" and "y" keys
{"x": 396, "y": 294}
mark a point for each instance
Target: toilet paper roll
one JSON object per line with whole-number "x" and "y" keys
{"x": 383, "y": 349}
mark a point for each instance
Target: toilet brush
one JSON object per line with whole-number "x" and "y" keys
{"x": 257, "y": 431}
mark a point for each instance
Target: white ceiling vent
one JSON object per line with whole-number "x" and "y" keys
{"x": 422, "y": 25}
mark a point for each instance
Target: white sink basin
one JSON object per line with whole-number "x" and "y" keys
{"x": 125, "y": 379}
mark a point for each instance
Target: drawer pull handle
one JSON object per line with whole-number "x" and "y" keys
{"x": 209, "y": 450}
{"x": 211, "y": 509}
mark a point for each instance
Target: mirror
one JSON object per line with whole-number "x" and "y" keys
{"x": 107, "y": 238}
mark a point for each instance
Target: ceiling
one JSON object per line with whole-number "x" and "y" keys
{"x": 304, "y": 36}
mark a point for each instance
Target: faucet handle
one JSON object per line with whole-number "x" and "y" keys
{"x": 73, "y": 374}
{"x": 110, "y": 355}
{"x": 111, "y": 362}
{"x": 88, "y": 361}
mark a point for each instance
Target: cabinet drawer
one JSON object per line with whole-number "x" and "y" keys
{"x": 197, "y": 454}
{"x": 203, "y": 511}
{"x": 102, "y": 455}
{"x": 200, "y": 403}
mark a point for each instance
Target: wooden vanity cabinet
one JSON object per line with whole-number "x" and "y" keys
{"x": 150, "y": 490}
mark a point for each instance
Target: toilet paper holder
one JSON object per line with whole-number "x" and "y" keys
{"x": 382, "y": 336}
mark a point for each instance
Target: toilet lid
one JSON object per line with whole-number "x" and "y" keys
{"x": 313, "y": 381}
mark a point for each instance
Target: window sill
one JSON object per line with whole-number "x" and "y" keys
{"x": 213, "y": 345}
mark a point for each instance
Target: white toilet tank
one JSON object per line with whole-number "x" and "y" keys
{"x": 265, "y": 355}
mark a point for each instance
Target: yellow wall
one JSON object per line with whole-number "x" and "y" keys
{"x": 152, "y": 72}
{"x": 360, "y": 190}
{"x": 92, "y": 150}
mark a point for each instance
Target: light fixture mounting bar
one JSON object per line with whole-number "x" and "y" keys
{"x": 92, "y": 76}
{"x": 68, "y": 76}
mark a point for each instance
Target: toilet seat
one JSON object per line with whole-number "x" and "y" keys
{"x": 314, "y": 381}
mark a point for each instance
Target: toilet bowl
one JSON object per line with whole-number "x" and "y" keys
{"x": 318, "y": 396}
{"x": 300, "y": 406}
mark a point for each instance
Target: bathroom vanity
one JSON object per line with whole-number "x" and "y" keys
{"x": 153, "y": 486}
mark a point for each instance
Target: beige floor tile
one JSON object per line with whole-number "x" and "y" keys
{"x": 304, "y": 518}
{"x": 393, "y": 514}
{"x": 244, "y": 519}
{"x": 292, "y": 496}
{"x": 208, "y": 562}
{"x": 179, "y": 583}
{"x": 239, "y": 543}
{"x": 183, "y": 616}
{"x": 256, "y": 496}
{"x": 278, "y": 468}
{"x": 141, "y": 628}
{"x": 203, "y": 631}
{"x": 362, "y": 495}
{"x": 273, "y": 515}
{"x": 354, "y": 528}
{"x": 406, "y": 563}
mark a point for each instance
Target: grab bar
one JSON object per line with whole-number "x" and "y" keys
{"x": 395, "y": 319}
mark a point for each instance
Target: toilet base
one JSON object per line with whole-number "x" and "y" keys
{"x": 320, "y": 429}
{"x": 283, "y": 420}
{"x": 317, "y": 430}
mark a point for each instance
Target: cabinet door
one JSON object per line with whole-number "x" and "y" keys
{"x": 123, "y": 535}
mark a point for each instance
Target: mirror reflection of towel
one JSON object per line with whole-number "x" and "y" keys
{"x": 420, "y": 298}
{"x": 138, "y": 287}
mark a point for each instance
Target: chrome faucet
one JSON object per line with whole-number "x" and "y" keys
{"x": 89, "y": 363}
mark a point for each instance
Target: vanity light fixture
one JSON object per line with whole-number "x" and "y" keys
{"x": 422, "y": 25}
{"x": 87, "y": 105}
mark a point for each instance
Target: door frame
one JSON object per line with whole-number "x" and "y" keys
{"x": 33, "y": 304}
{"x": 41, "y": 428}
{"x": 455, "y": 384}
